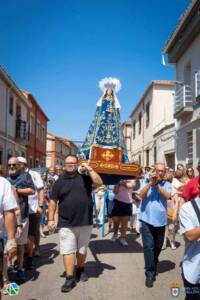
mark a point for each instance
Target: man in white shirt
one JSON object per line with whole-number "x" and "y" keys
{"x": 7, "y": 206}
{"x": 36, "y": 203}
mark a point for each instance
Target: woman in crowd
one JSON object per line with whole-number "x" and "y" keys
{"x": 122, "y": 209}
{"x": 173, "y": 207}
{"x": 190, "y": 173}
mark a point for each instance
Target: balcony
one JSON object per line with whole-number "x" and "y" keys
{"x": 22, "y": 131}
{"x": 183, "y": 101}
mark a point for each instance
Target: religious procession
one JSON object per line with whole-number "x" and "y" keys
{"x": 111, "y": 218}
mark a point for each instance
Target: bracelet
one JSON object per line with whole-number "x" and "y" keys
{"x": 11, "y": 244}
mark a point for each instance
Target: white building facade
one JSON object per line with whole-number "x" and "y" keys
{"x": 183, "y": 50}
{"x": 153, "y": 127}
{"x": 14, "y": 129}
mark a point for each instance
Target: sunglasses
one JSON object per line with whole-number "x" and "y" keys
{"x": 12, "y": 165}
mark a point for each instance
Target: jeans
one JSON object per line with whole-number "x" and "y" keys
{"x": 152, "y": 238}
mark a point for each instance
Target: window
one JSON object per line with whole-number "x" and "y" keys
{"x": 140, "y": 123}
{"x": 30, "y": 162}
{"x": 11, "y": 101}
{"x": 1, "y": 157}
{"x": 18, "y": 111}
{"x": 37, "y": 163}
{"x": 133, "y": 130}
{"x": 147, "y": 157}
{"x": 147, "y": 114}
{"x": 190, "y": 147}
{"x": 187, "y": 74}
{"x": 155, "y": 155}
{"x": 43, "y": 134}
{"x": 139, "y": 159}
{"x": 197, "y": 85}
{"x": 38, "y": 129}
{"x": 32, "y": 124}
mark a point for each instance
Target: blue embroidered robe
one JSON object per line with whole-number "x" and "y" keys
{"x": 105, "y": 130}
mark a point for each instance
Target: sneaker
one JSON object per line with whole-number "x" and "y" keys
{"x": 69, "y": 284}
{"x": 149, "y": 282}
{"x": 173, "y": 246}
{"x": 63, "y": 275}
{"x": 10, "y": 269}
{"x": 20, "y": 276}
{"x": 37, "y": 253}
{"x": 114, "y": 237}
{"x": 29, "y": 263}
{"x": 123, "y": 242}
{"x": 43, "y": 235}
{"x": 81, "y": 275}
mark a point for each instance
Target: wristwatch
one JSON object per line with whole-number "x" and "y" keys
{"x": 20, "y": 225}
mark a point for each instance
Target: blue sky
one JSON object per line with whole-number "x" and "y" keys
{"x": 59, "y": 50}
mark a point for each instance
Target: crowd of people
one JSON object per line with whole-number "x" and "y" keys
{"x": 156, "y": 206}
{"x": 25, "y": 195}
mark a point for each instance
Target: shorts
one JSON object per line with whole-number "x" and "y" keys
{"x": 32, "y": 225}
{"x": 74, "y": 239}
{"x": 121, "y": 209}
{"x": 22, "y": 240}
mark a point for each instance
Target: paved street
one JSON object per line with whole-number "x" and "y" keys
{"x": 114, "y": 273}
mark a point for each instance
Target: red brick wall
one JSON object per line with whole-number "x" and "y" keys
{"x": 36, "y": 148}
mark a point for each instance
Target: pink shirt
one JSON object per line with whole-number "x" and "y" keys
{"x": 124, "y": 194}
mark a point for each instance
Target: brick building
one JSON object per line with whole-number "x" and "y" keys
{"x": 37, "y": 119}
{"x": 57, "y": 149}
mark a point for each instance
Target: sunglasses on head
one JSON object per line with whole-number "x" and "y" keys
{"x": 12, "y": 165}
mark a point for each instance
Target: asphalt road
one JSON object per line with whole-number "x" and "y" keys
{"x": 115, "y": 272}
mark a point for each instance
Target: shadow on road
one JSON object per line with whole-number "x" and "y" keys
{"x": 165, "y": 266}
{"x": 95, "y": 269}
{"x": 47, "y": 255}
{"x": 107, "y": 246}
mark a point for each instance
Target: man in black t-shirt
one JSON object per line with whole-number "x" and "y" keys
{"x": 73, "y": 191}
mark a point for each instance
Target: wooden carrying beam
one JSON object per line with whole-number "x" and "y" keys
{"x": 109, "y": 161}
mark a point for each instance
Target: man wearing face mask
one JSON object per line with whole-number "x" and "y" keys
{"x": 155, "y": 191}
{"x": 73, "y": 193}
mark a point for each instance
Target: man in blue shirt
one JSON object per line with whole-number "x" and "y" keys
{"x": 190, "y": 227}
{"x": 23, "y": 186}
{"x": 155, "y": 192}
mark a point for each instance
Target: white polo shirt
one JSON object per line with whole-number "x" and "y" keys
{"x": 7, "y": 201}
{"x": 33, "y": 200}
{"x": 191, "y": 259}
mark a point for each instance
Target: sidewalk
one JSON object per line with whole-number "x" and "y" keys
{"x": 114, "y": 272}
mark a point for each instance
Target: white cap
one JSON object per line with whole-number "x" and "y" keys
{"x": 22, "y": 160}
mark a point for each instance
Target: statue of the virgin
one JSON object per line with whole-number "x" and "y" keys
{"x": 105, "y": 129}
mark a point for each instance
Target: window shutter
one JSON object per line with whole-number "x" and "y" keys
{"x": 197, "y": 85}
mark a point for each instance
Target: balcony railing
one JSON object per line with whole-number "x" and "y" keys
{"x": 183, "y": 99}
{"x": 22, "y": 130}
